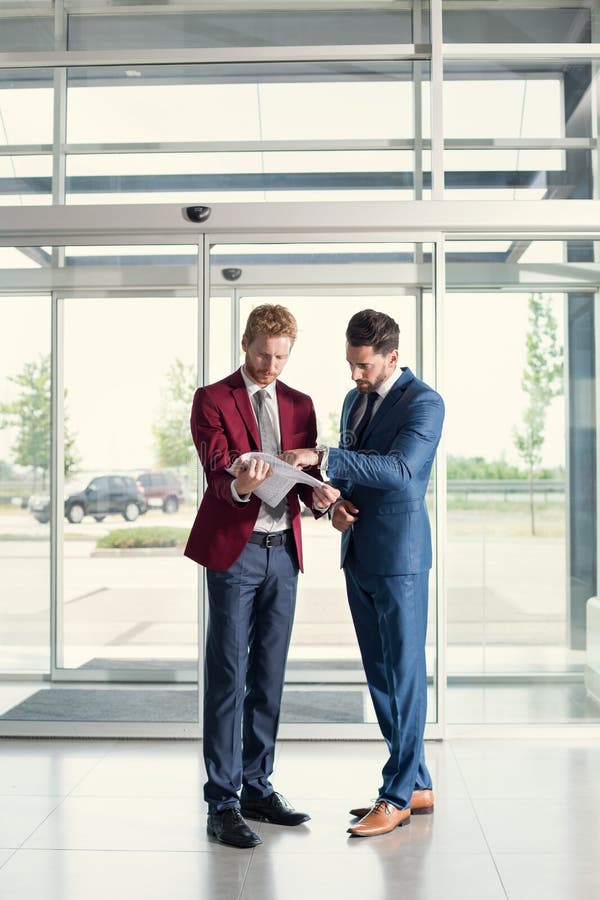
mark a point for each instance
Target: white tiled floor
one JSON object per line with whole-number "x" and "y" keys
{"x": 125, "y": 820}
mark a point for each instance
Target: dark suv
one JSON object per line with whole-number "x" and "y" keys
{"x": 162, "y": 489}
{"x": 104, "y": 495}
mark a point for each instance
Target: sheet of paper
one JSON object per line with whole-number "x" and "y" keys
{"x": 282, "y": 479}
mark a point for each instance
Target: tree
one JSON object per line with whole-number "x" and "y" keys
{"x": 472, "y": 468}
{"x": 329, "y": 433}
{"x": 172, "y": 438}
{"x": 6, "y": 472}
{"x": 29, "y": 414}
{"x": 542, "y": 381}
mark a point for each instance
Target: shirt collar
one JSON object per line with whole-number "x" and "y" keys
{"x": 384, "y": 389}
{"x": 253, "y": 387}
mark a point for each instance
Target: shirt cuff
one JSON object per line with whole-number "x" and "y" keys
{"x": 236, "y": 496}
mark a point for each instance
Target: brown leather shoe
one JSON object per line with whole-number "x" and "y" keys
{"x": 421, "y": 804}
{"x": 380, "y": 819}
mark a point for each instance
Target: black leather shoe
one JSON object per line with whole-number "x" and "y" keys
{"x": 274, "y": 809}
{"x": 229, "y": 828}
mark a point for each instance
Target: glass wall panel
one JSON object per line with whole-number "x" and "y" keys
{"x": 25, "y": 180}
{"x": 127, "y": 602}
{"x": 24, "y": 474}
{"x": 222, "y": 360}
{"x": 113, "y": 258}
{"x": 26, "y": 27}
{"x": 244, "y": 27}
{"x": 276, "y": 101}
{"x": 325, "y": 681}
{"x": 486, "y": 21}
{"x": 22, "y": 258}
{"x": 241, "y": 177}
{"x": 26, "y": 111}
{"x": 504, "y": 124}
{"x": 509, "y": 105}
{"x": 129, "y": 598}
{"x": 342, "y": 131}
{"x": 520, "y": 431}
{"x": 26, "y": 106}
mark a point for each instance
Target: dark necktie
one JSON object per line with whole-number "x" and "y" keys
{"x": 361, "y": 425}
{"x": 268, "y": 441}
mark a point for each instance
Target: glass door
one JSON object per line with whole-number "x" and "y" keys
{"x": 126, "y": 606}
{"x": 117, "y": 491}
{"x": 105, "y": 474}
{"x": 324, "y": 284}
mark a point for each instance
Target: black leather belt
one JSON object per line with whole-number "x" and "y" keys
{"x": 269, "y": 538}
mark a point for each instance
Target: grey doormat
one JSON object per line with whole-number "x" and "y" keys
{"x": 106, "y": 705}
{"x": 107, "y": 663}
{"x": 322, "y": 706}
{"x": 303, "y": 665}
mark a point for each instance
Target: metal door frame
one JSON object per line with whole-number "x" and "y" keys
{"x": 367, "y": 731}
{"x": 167, "y": 224}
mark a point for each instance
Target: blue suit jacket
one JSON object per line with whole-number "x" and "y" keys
{"x": 387, "y": 478}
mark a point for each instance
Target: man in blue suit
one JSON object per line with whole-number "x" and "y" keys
{"x": 390, "y": 429}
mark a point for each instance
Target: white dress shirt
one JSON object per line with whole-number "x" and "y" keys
{"x": 265, "y": 521}
{"x": 382, "y": 391}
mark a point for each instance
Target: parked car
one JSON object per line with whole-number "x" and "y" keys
{"x": 104, "y": 495}
{"x": 39, "y": 506}
{"x": 162, "y": 489}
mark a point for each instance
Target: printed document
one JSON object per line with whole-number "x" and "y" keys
{"x": 282, "y": 478}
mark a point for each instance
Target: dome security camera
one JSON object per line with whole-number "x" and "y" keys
{"x": 231, "y": 274}
{"x": 197, "y": 213}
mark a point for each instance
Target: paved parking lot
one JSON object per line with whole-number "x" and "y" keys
{"x": 501, "y": 592}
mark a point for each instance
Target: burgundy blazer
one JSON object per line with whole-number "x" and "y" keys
{"x": 224, "y": 426}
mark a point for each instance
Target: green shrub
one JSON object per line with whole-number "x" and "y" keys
{"x": 464, "y": 468}
{"x": 135, "y": 538}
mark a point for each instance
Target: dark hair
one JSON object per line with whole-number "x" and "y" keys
{"x": 369, "y": 328}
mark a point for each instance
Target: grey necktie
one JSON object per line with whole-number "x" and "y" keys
{"x": 268, "y": 437}
{"x": 268, "y": 440}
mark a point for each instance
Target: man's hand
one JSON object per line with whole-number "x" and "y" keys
{"x": 324, "y": 496}
{"x": 344, "y": 514}
{"x": 249, "y": 475}
{"x": 300, "y": 459}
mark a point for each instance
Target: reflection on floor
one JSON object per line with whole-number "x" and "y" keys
{"x": 547, "y": 702}
{"x": 90, "y": 819}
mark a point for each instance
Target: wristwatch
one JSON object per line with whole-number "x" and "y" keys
{"x": 322, "y": 456}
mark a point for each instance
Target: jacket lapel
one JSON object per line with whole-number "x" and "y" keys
{"x": 285, "y": 405}
{"x": 348, "y": 408}
{"x": 392, "y": 398}
{"x": 244, "y": 406}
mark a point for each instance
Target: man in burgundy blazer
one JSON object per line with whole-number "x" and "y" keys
{"x": 252, "y": 554}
